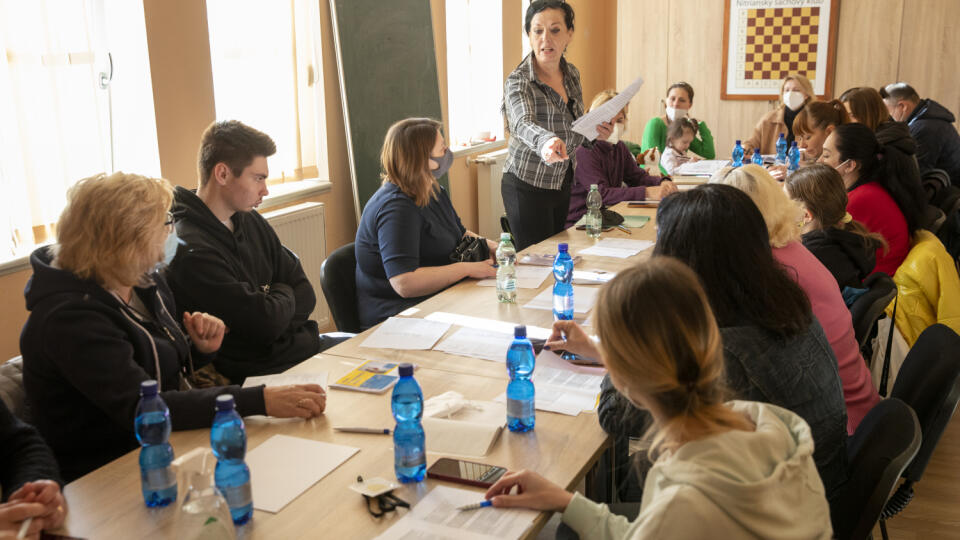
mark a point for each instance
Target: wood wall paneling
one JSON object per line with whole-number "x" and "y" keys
{"x": 868, "y": 41}
{"x": 642, "y": 51}
{"x": 930, "y": 50}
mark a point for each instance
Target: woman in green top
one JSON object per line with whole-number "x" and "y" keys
{"x": 679, "y": 101}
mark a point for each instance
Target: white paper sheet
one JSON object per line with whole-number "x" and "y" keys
{"x": 409, "y": 312}
{"x": 283, "y": 467}
{"x": 583, "y": 299}
{"x": 528, "y": 277}
{"x": 408, "y": 334}
{"x": 492, "y": 325}
{"x": 562, "y": 387}
{"x": 476, "y": 343}
{"x": 620, "y": 248}
{"x": 436, "y": 517}
{"x": 704, "y": 167}
{"x": 592, "y": 277}
{"x": 587, "y": 124}
{"x": 283, "y": 379}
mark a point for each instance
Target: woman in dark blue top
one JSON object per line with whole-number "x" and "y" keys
{"x": 409, "y": 227}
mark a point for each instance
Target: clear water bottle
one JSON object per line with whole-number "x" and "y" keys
{"x": 506, "y": 270}
{"x": 737, "y": 154}
{"x": 228, "y": 438}
{"x": 563, "y": 285}
{"x": 409, "y": 440}
{"x": 204, "y": 514}
{"x": 521, "y": 405}
{"x": 757, "y": 157}
{"x": 594, "y": 218}
{"x": 793, "y": 156}
{"x": 152, "y": 427}
{"x": 781, "y": 150}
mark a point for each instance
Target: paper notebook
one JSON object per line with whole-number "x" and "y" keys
{"x": 471, "y": 429}
{"x": 371, "y": 376}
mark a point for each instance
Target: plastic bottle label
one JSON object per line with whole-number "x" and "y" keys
{"x": 159, "y": 479}
{"x": 520, "y": 408}
{"x": 238, "y": 496}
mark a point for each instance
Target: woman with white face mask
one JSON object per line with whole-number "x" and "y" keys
{"x": 795, "y": 92}
{"x": 609, "y": 164}
{"x": 678, "y": 103}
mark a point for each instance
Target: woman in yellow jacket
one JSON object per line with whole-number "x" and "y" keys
{"x": 928, "y": 288}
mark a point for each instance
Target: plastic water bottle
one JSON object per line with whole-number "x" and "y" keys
{"x": 781, "y": 151}
{"x": 152, "y": 426}
{"x": 594, "y": 218}
{"x": 409, "y": 440}
{"x": 204, "y": 514}
{"x": 506, "y": 270}
{"x": 737, "y": 154}
{"x": 793, "y": 157}
{"x": 521, "y": 405}
{"x": 563, "y": 285}
{"x": 757, "y": 157}
{"x": 228, "y": 438}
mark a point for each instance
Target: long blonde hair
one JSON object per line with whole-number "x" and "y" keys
{"x": 780, "y": 213}
{"x": 661, "y": 345}
{"x": 109, "y": 228}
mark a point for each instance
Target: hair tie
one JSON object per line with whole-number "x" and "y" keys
{"x": 847, "y": 218}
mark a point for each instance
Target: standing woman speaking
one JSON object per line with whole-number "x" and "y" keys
{"x": 541, "y": 99}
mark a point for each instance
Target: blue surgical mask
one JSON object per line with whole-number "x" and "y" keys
{"x": 170, "y": 246}
{"x": 445, "y": 161}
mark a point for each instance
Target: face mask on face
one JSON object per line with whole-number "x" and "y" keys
{"x": 445, "y": 161}
{"x": 793, "y": 99}
{"x": 673, "y": 114}
{"x": 170, "y": 247}
{"x": 614, "y": 137}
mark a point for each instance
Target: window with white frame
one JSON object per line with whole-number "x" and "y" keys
{"x": 474, "y": 71}
{"x": 267, "y": 73}
{"x": 75, "y": 100}
{"x": 524, "y": 40}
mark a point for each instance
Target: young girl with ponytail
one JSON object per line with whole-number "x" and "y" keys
{"x": 844, "y": 245}
{"x": 721, "y": 469}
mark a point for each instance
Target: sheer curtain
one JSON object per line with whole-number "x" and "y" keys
{"x": 75, "y": 100}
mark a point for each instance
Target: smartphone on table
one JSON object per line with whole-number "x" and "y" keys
{"x": 465, "y": 472}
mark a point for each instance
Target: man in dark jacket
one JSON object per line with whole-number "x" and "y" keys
{"x": 231, "y": 263}
{"x": 938, "y": 143}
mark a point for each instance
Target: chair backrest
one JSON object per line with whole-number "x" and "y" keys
{"x": 885, "y": 441}
{"x": 935, "y": 183}
{"x": 868, "y": 308}
{"x": 339, "y": 283}
{"x": 929, "y": 381}
{"x": 932, "y": 218}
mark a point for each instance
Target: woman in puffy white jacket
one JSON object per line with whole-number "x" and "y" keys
{"x": 721, "y": 469}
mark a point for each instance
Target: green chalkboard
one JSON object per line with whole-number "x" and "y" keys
{"x": 388, "y": 72}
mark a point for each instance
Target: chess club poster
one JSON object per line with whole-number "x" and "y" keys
{"x": 765, "y": 40}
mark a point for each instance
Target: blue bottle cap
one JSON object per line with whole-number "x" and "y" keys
{"x": 225, "y": 402}
{"x": 794, "y": 143}
{"x": 520, "y": 331}
{"x": 405, "y": 370}
{"x": 562, "y": 247}
{"x": 148, "y": 388}
{"x": 756, "y": 150}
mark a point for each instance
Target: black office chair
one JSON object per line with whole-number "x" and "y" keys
{"x": 932, "y": 218}
{"x": 935, "y": 184}
{"x": 886, "y": 440}
{"x": 339, "y": 283}
{"x": 868, "y": 308}
{"x": 928, "y": 381}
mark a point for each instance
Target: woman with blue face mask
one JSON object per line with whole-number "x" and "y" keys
{"x": 409, "y": 228}
{"x": 795, "y": 92}
{"x": 103, "y": 320}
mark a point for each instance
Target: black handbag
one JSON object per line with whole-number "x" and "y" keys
{"x": 610, "y": 218}
{"x": 471, "y": 249}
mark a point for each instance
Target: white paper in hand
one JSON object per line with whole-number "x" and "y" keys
{"x": 587, "y": 124}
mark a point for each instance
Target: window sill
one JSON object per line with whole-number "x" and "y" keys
{"x": 288, "y": 192}
{"x": 477, "y": 148}
{"x": 280, "y": 194}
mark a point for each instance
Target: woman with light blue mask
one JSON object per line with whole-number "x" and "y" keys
{"x": 102, "y": 320}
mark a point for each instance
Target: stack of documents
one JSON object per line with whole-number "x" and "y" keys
{"x": 704, "y": 167}
{"x": 620, "y": 248}
{"x": 436, "y": 518}
{"x": 566, "y": 390}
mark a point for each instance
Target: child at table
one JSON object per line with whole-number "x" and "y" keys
{"x": 680, "y": 134}
{"x": 713, "y": 460}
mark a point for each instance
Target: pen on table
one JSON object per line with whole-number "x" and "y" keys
{"x": 475, "y": 506}
{"x": 24, "y": 527}
{"x": 373, "y": 431}
{"x": 624, "y": 229}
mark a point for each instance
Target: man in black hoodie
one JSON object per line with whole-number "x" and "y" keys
{"x": 231, "y": 263}
{"x": 931, "y": 124}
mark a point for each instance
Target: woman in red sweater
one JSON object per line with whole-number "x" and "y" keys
{"x": 883, "y": 186}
